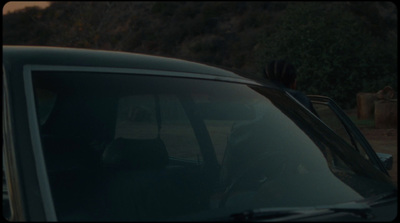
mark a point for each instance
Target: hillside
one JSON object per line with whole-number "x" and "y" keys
{"x": 233, "y": 35}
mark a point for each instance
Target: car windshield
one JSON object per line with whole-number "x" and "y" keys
{"x": 140, "y": 147}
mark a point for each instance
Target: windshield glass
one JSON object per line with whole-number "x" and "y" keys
{"x": 136, "y": 147}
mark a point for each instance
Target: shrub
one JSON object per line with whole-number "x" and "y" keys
{"x": 334, "y": 51}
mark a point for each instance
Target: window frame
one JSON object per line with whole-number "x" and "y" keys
{"x": 11, "y": 174}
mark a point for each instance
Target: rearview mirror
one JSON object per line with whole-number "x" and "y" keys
{"x": 226, "y": 111}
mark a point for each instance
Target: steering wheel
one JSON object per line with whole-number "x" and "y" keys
{"x": 267, "y": 167}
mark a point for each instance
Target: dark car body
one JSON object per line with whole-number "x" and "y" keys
{"x": 91, "y": 135}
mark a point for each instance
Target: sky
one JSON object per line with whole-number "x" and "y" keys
{"x": 15, "y": 5}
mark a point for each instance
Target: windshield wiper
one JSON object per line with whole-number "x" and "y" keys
{"x": 382, "y": 198}
{"x": 284, "y": 214}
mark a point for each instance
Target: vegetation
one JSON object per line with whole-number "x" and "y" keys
{"x": 335, "y": 51}
{"x": 339, "y": 48}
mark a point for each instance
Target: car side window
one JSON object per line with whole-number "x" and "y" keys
{"x": 137, "y": 118}
{"x": 330, "y": 119}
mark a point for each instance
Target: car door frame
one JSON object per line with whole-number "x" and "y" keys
{"x": 356, "y": 135}
{"x": 27, "y": 186}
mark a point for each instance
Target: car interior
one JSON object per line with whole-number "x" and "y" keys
{"x": 112, "y": 177}
{"x": 151, "y": 148}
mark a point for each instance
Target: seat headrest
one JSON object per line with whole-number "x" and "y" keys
{"x": 136, "y": 154}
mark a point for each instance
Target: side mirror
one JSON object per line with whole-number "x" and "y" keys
{"x": 386, "y": 159}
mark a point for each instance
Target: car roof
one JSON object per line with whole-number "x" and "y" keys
{"x": 64, "y": 56}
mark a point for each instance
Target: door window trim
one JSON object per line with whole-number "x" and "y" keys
{"x": 33, "y": 125}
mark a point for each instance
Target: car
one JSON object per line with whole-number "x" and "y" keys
{"x": 95, "y": 135}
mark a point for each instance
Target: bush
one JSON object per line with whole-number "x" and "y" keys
{"x": 334, "y": 52}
